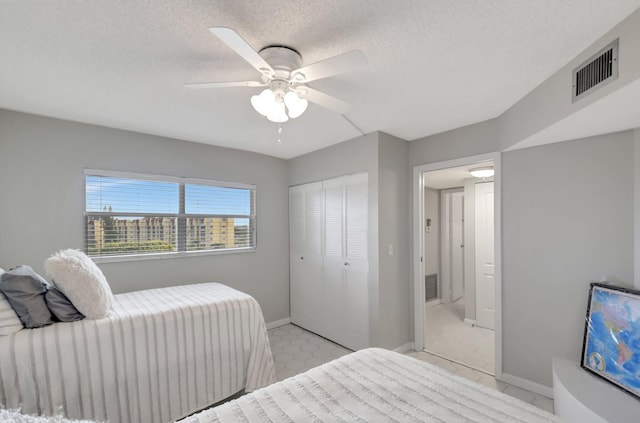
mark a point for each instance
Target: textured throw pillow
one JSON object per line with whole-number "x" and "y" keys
{"x": 78, "y": 277}
{"x": 25, "y": 291}
{"x": 61, "y": 307}
{"x": 9, "y": 320}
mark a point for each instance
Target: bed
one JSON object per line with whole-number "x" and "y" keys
{"x": 375, "y": 385}
{"x": 161, "y": 355}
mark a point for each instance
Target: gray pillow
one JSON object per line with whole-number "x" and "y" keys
{"x": 25, "y": 290}
{"x": 9, "y": 321}
{"x": 61, "y": 307}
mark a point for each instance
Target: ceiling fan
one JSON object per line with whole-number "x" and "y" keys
{"x": 287, "y": 93}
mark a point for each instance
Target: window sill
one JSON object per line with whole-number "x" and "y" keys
{"x": 165, "y": 256}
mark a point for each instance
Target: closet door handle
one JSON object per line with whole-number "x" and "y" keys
{"x": 301, "y": 258}
{"x": 346, "y": 264}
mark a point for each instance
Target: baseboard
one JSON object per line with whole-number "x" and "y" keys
{"x": 278, "y": 323}
{"x": 527, "y": 384}
{"x": 404, "y": 348}
{"x": 469, "y": 322}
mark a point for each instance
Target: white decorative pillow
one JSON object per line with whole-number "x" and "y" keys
{"x": 78, "y": 277}
{"x": 9, "y": 320}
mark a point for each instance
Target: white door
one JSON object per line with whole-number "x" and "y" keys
{"x": 305, "y": 235}
{"x": 333, "y": 283}
{"x": 452, "y": 255}
{"x": 457, "y": 247}
{"x": 485, "y": 262}
{"x": 356, "y": 262}
{"x": 329, "y": 259}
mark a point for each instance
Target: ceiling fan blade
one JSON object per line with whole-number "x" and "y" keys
{"x": 225, "y": 84}
{"x": 324, "y": 100}
{"x": 347, "y": 62}
{"x": 240, "y": 46}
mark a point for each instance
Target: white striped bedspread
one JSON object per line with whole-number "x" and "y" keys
{"x": 161, "y": 355}
{"x": 375, "y": 385}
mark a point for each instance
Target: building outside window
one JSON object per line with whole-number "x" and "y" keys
{"x": 128, "y": 214}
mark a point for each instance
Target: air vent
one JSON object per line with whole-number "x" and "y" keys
{"x": 598, "y": 70}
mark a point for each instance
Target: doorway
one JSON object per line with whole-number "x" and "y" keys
{"x": 456, "y": 271}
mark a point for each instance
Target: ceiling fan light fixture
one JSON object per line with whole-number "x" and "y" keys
{"x": 295, "y": 105}
{"x": 482, "y": 172}
{"x": 277, "y": 113}
{"x": 278, "y": 107}
{"x": 263, "y": 103}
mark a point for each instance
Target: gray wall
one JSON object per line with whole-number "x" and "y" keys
{"x": 395, "y": 283}
{"x": 42, "y": 186}
{"x": 356, "y": 155}
{"x": 636, "y": 206}
{"x": 479, "y": 138}
{"x": 567, "y": 213}
{"x": 432, "y": 239}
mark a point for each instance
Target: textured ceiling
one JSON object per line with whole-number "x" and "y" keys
{"x": 434, "y": 65}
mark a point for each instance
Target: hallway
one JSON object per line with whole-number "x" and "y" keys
{"x": 447, "y": 336}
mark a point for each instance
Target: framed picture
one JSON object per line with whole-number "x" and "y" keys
{"x": 611, "y": 347}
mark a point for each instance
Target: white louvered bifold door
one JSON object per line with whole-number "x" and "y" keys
{"x": 333, "y": 283}
{"x": 329, "y": 259}
{"x": 346, "y": 265}
{"x": 356, "y": 261}
{"x": 305, "y": 235}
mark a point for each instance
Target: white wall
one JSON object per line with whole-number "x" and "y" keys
{"x": 567, "y": 214}
{"x": 41, "y": 211}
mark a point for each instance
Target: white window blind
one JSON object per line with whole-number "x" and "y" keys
{"x": 132, "y": 214}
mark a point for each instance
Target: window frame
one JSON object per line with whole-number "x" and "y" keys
{"x": 181, "y": 215}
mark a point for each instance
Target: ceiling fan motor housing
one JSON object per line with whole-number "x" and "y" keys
{"x": 282, "y": 59}
{"x": 279, "y": 86}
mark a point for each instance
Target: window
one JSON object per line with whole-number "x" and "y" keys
{"x": 129, "y": 214}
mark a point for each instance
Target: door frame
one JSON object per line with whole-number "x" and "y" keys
{"x": 418, "y": 247}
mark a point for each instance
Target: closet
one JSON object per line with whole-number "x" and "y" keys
{"x": 329, "y": 258}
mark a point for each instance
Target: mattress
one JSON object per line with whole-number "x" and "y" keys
{"x": 375, "y": 385}
{"x": 161, "y": 355}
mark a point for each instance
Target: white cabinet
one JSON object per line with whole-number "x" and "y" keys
{"x": 580, "y": 397}
{"x": 329, "y": 259}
